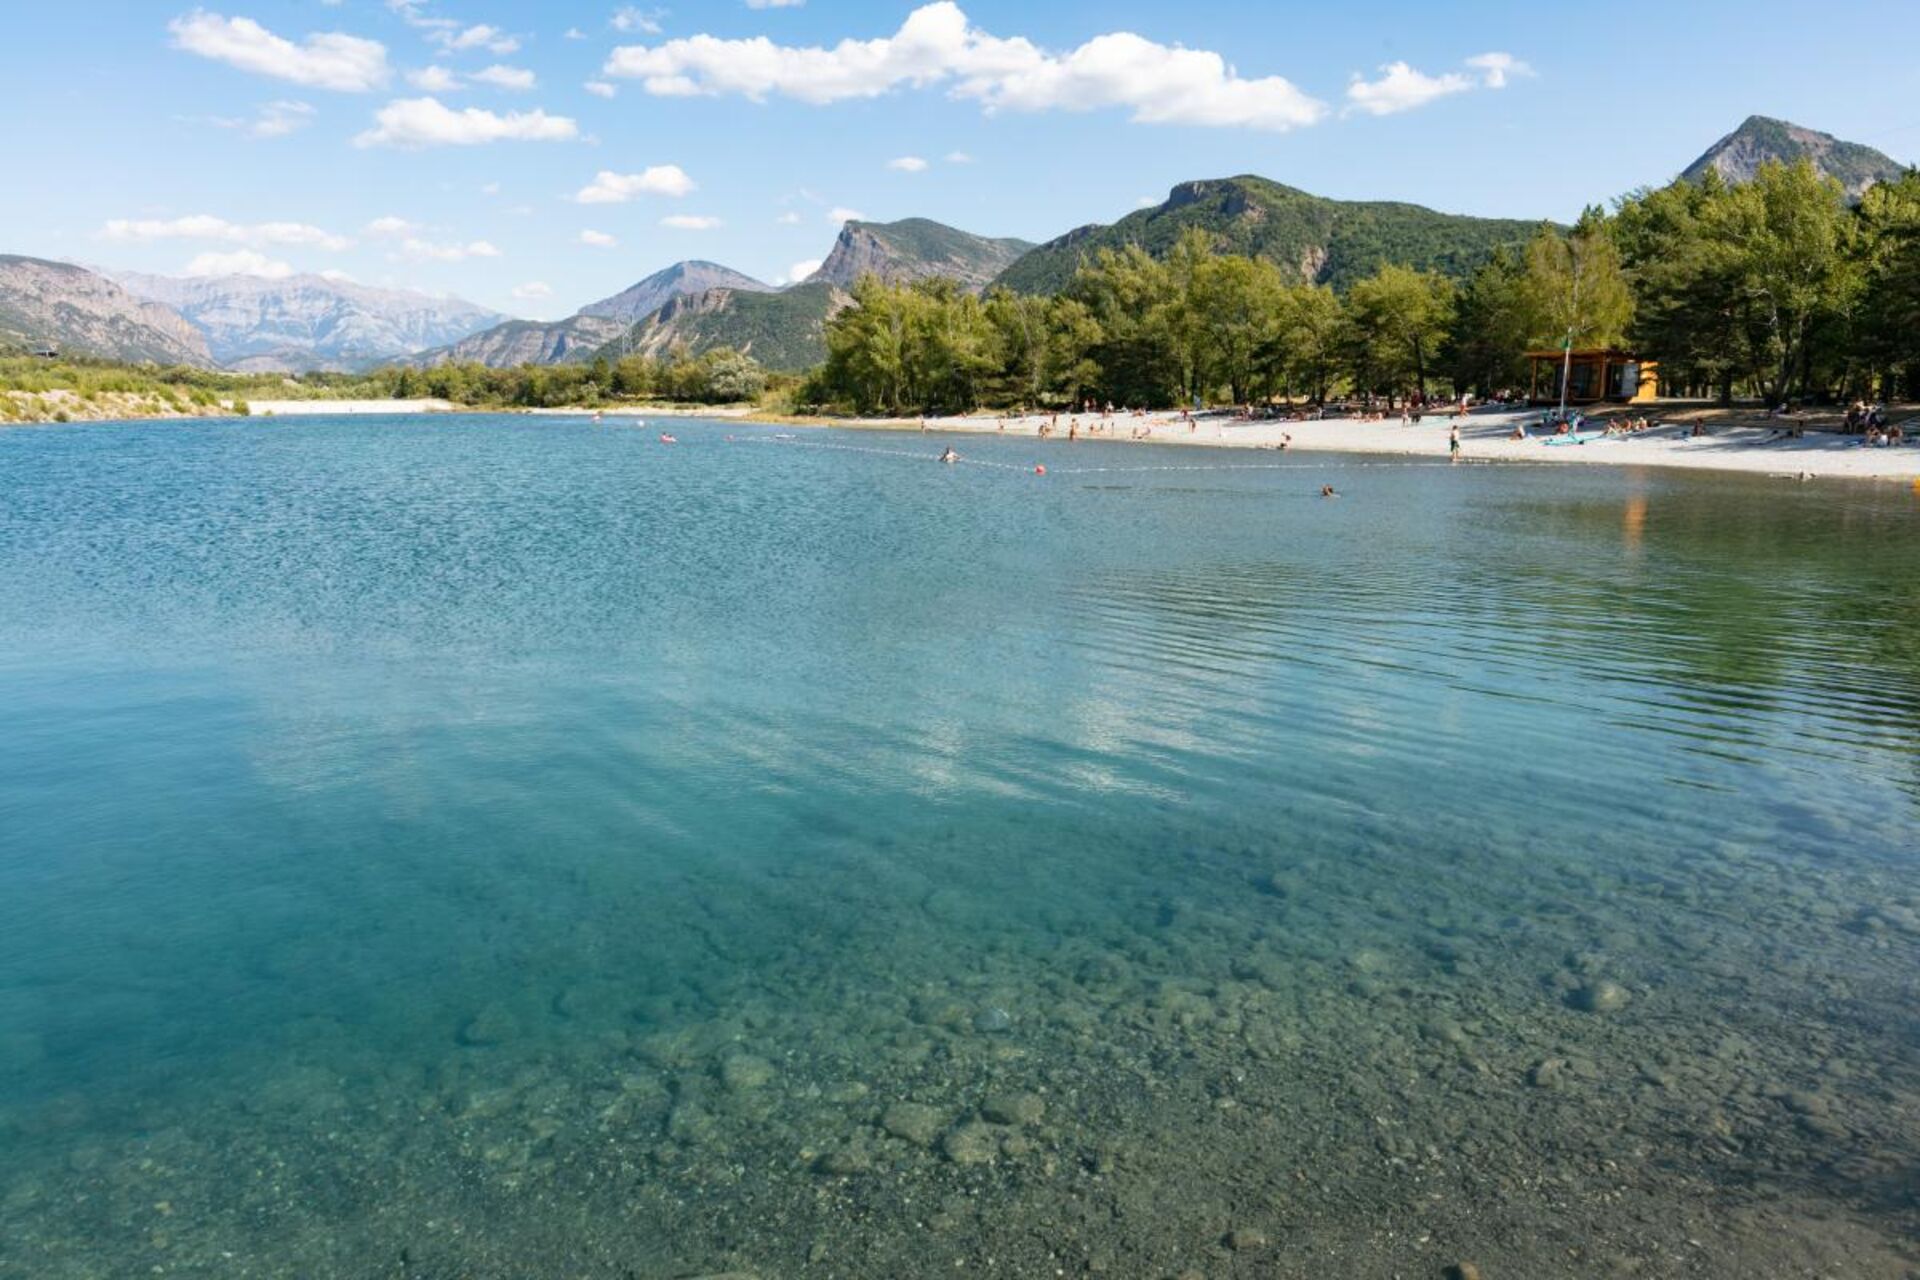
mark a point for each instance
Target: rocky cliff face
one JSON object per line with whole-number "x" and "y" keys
{"x": 784, "y": 330}
{"x": 916, "y": 249}
{"x": 520, "y": 342}
{"x": 682, "y": 279}
{"x": 597, "y": 324}
{"x": 310, "y": 322}
{"x": 1739, "y": 155}
{"x": 57, "y": 304}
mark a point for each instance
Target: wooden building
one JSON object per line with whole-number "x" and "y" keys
{"x": 1596, "y": 375}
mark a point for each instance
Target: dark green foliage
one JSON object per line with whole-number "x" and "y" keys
{"x": 1313, "y": 239}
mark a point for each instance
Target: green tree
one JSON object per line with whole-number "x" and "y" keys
{"x": 1397, "y": 321}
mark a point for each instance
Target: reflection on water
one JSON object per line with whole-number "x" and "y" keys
{"x": 475, "y": 847}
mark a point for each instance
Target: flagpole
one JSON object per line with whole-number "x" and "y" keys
{"x": 1566, "y": 373}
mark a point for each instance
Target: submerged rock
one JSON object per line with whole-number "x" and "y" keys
{"x": 993, "y": 1021}
{"x": 743, "y": 1072}
{"x": 1016, "y": 1109}
{"x": 914, "y": 1122}
{"x": 1243, "y": 1239}
{"x": 1599, "y": 997}
{"x": 972, "y": 1143}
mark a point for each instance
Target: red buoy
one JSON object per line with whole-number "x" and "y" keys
{"x": 1040, "y": 471}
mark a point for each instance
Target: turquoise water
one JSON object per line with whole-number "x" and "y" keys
{"x": 486, "y": 847}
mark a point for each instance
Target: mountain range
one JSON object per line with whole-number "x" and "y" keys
{"x": 1322, "y": 241}
{"x": 258, "y": 325}
{"x": 1739, "y": 155}
{"x": 316, "y": 322}
{"x": 70, "y": 309}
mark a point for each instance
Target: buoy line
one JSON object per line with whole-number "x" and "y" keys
{"x": 921, "y": 456}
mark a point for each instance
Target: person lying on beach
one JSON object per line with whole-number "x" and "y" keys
{"x": 1519, "y": 431}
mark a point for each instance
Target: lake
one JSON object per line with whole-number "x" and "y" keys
{"x": 488, "y": 847}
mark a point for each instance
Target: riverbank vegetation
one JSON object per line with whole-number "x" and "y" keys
{"x": 1776, "y": 288}
{"x": 34, "y": 388}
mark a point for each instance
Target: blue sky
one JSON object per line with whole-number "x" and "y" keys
{"x": 534, "y": 157}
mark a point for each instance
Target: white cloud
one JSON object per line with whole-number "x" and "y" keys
{"x": 409, "y": 12}
{"x": 514, "y": 79}
{"x": 908, "y": 164}
{"x": 532, "y": 289}
{"x": 1159, "y": 84}
{"x": 800, "y": 271}
{"x": 417, "y": 250}
{"x": 597, "y": 239}
{"x": 841, "y": 215}
{"x": 434, "y": 80}
{"x": 1147, "y": 202}
{"x": 241, "y": 262}
{"x": 337, "y": 276}
{"x": 600, "y": 88}
{"x": 1402, "y": 88}
{"x": 272, "y": 120}
{"x": 492, "y": 39}
{"x": 323, "y": 61}
{"x": 204, "y": 226}
{"x": 426, "y": 122}
{"x": 278, "y": 119}
{"x": 390, "y": 226}
{"x": 609, "y": 187}
{"x": 690, "y": 222}
{"x": 959, "y": 157}
{"x": 788, "y": 219}
{"x": 631, "y": 18}
{"x": 775, "y": 4}
{"x": 575, "y": 33}
{"x": 1496, "y": 68}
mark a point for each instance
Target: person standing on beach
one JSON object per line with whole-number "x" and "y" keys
{"x": 1453, "y": 444}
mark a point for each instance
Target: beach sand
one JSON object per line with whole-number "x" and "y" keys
{"x": 1484, "y": 437}
{"x": 336, "y": 408}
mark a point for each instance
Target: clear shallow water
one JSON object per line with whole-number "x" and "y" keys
{"x": 491, "y": 847}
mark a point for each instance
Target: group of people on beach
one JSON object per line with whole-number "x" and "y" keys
{"x": 1869, "y": 420}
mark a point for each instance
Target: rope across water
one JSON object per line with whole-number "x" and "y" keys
{"x": 919, "y": 455}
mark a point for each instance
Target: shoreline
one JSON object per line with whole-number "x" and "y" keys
{"x": 1483, "y": 438}
{"x": 1484, "y": 434}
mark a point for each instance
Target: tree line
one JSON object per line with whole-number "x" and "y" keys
{"x": 720, "y": 376}
{"x": 1777, "y": 288}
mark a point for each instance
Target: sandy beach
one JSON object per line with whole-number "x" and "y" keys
{"x": 1485, "y": 436}
{"x": 337, "y": 408}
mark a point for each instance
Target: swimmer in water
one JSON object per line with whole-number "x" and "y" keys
{"x": 1326, "y": 491}
{"x": 949, "y": 456}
